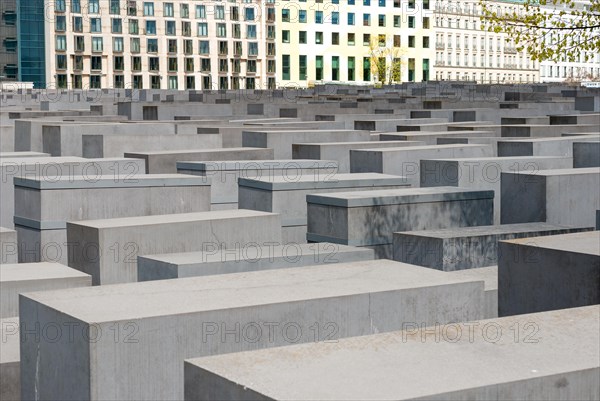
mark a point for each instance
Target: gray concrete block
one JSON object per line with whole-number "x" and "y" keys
{"x": 548, "y": 273}
{"x": 185, "y": 318}
{"x": 108, "y": 249}
{"x": 485, "y": 172}
{"x": 586, "y": 154}
{"x": 431, "y": 138}
{"x": 340, "y": 151}
{"x": 566, "y": 197}
{"x": 489, "y": 275}
{"x": 10, "y": 380}
{"x": 369, "y": 218}
{"x": 288, "y": 198}
{"x": 406, "y": 161}
{"x": 20, "y": 278}
{"x": 21, "y": 155}
{"x": 224, "y": 175}
{"x": 281, "y": 141}
{"x": 446, "y": 363}
{"x": 9, "y": 248}
{"x": 43, "y": 207}
{"x": 246, "y": 259}
{"x": 561, "y": 146}
{"x": 465, "y": 247}
{"x": 165, "y": 162}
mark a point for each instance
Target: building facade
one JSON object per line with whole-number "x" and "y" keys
{"x": 8, "y": 34}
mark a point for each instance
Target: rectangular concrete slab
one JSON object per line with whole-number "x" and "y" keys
{"x": 369, "y": 218}
{"x": 9, "y": 246}
{"x": 165, "y": 162}
{"x": 10, "y": 373}
{"x": 562, "y": 196}
{"x": 541, "y": 363}
{"x": 245, "y": 259}
{"x": 466, "y": 247}
{"x": 547, "y": 273}
{"x": 108, "y": 249}
{"x": 489, "y": 275}
{"x": 185, "y": 318}
{"x": 20, "y": 278}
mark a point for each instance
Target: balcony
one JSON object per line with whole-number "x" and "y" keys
{"x": 510, "y": 50}
{"x": 440, "y": 46}
{"x": 439, "y": 64}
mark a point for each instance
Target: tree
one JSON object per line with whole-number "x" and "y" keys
{"x": 556, "y": 30}
{"x": 386, "y": 60}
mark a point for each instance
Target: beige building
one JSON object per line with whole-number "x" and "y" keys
{"x": 465, "y": 52}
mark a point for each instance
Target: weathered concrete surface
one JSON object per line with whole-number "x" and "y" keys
{"x": 10, "y": 380}
{"x": 586, "y": 154}
{"x": 20, "y": 278}
{"x": 466, "y": 247}
{"x": 446, "y": 363}
{"x": 369, "y": 218}
{"x": 108, "y": 249}
{"x": 489, "y": 275}
{"x": 548, "y": 273}
{"x": 566, "y": 197}
{"x": 183, "y": 318}
{"x": 9, "y": 246}
{"x": 165, "y": 162}
{"x": 246, "y": 259}
{"x": 561, "y": 146}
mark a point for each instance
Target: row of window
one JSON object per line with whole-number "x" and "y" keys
{"x": 382, "y": 39}
{"x": 96, "y": 63}
{"x": 334, "y": 19}
{"x": 172, "y": 82}
{"x": 510, "y": 62}
{"x": 172, "y": 46}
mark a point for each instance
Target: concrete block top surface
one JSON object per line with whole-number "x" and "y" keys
{"x": 587, "y": 242}
{"x": 348, "y": 180}
{"x": 112, "y": 181}
{"x": 296, "y": 132}
{"x": 45, "y": 160}
{"x": 235, "y": 165}
{"x": 187, "y": 151}
{"x": 561, "y": 171}
{"x": 16, "y": 155}
{"x": 398, "y": 196}
{"x": 37, "y": 271}
{"x": 417, "y": 148}
{"x": 586, "y": 138}
{"x": 171, "y": 218}
{"x": 501, "y": 159}
{"x": 414, "y": 364}
{"x": 273, "y": 252}
{"x": 6, "y": 230}
{"x": 486, "y": 230}
{"x": 489, "y": 275}
{"x": 191, "y": 295}
{"x": 358, "y": 143}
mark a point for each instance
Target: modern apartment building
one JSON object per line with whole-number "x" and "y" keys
{"x": 345, "y": 40}
{"x": 8, "y": 46}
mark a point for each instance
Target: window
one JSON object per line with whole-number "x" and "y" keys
{"x": 79, "y": 43}
{"x": 202, "y": 29}
{"x": 170, "y": 28}
{"x": 250, "y": 83}
{"x": 115, "y": 7}
{"x": 425, "y": 22}
{"x": 117, "y": 25}
{"x": 223, "y": 66}
{"x": 234, "y": 13}
{"x": 396, "y": 21}
{"x": 78, "y": 63}
{"x": 95, "y": 25}
{"x": 119, "y": 63}
{"x": 97, "y": 45}
{"x": 172, "y": 45}
{"x": 366, "y": 39}
{"x": 318, "y": 17}
{"x": 381, "y": 20}
{"x": 188, "y": 47}
{"x": 186, "y": 28}
{"x": 285, "y": 15}
{"x": 152, "y": 46}
{"x": 173, "y": 83}
{"x": 150, "y": 27}
{"x": 285, "y": 67}
{"x": 335, "y": 18}
{"x": 271, "y": 33}
{"x": 271, "y": 66}
{"x": 335, "y": 68}
{"x": 184, "y": 11}
{"x": 138, "y": 82}
{"x": 153, "y": 63}
{"x": 155, "y": 82}
{"x": 366, "y": 2}
{"x": 411, "y": 41}
{"x": 135, "y": 45}
{"x": 118, "y": 45}
{"x": 223, "y": 47}
{"x": 351, "y": 68}
{"x": 134, "y": 27}
{"x": 93, "y": 6}
{"x": 351, "y": 39}
{"x": 201, "y": 12}
{"x": 270, "y": 49}
{"x": 205, "y": 64}
{"x": 76, "y": 6}
{"x": 303, "y": 68}
{"x": 251, "y": 66}
{"x": 252, "y": 49}
{"x": 119, "y": 81}
{"x": 249, "y": 14}
{"x": 61, "y": 23}
{"x": 411, "y": 22}
{"x": 251, "y": 31}
{"x": 221, "y": 30}
{"x": 96, "y": 62}
{"x": 285, "y": 36}
{"x": 131, "y": 8}
{"x": 319, "y": 38}
{"x": 237, "y": 49}
{"x": 366, "y": 19}
{"x": 319, "y": 68}
{"x": 61, "y": 62}
{"x": 302, "y": 16}
{"x": 425, "y": 42}
{"x": 350, "y": 18}
{"x": 397, "y": 41}
{"x": 366, "y": 69}
{"x": 302, "y": 37}
{"x": 168, "y": 10}
{"x": 149, "y": 9}
{"x": 204, "y": 47}
{"x": 172, "y": 64}
{"x": 219, "y": 12}
{"x": 335, "y": 38}
{"x": 381, "y": 3}
{"x": 77, "y": 24}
